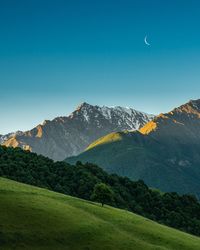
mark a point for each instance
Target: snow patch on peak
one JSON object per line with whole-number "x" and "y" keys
{"x": 106, "y": 112}
{"x": 83, "y": 105}
{"x": 123, "y": 118}
{"x": 195, "y": 104}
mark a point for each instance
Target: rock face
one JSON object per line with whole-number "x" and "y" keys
{"x": 165, "y": 152}
{"x": 4, "y": 138}
{"x": 70, "y": 135}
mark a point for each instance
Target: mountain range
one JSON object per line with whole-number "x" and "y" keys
{"x": 70, "y": 135}
{"x": 165, "y": 152}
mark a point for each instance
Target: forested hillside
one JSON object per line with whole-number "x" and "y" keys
{"x": 182, "y": 212}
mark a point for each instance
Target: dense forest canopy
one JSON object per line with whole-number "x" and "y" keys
{"x": 179, "y": 211}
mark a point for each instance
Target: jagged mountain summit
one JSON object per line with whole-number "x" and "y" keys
{"x": 5, "y": 137}
{"x": 70, "y": 135}
{"x": 165, "y": 152}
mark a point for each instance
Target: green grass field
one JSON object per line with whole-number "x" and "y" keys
{"x": 34, "y": 218}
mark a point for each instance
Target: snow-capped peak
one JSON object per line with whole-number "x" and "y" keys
{"x": 124, "y": 118}
{"x": 70, "y": 135}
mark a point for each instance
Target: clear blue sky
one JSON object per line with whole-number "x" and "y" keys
{"x": 57, "y": 54}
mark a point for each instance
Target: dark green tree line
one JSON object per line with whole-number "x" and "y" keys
{"x": 178, "y": 211}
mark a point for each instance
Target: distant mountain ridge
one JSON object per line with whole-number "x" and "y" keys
{"x": 70, "y": 135}
{"x": 5, "y": 137}
{"x": 165, "y": 152}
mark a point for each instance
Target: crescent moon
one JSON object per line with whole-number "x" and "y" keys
{"x": 145, "y": 40}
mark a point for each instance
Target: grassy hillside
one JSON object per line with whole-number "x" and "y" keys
{"x": 178, "y": 211}
{"x": 34, "y": 218}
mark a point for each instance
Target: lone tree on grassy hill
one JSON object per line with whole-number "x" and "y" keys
{"x": 102, "y": 193}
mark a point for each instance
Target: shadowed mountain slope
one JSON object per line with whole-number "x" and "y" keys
{"x": 165, "y": 153}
